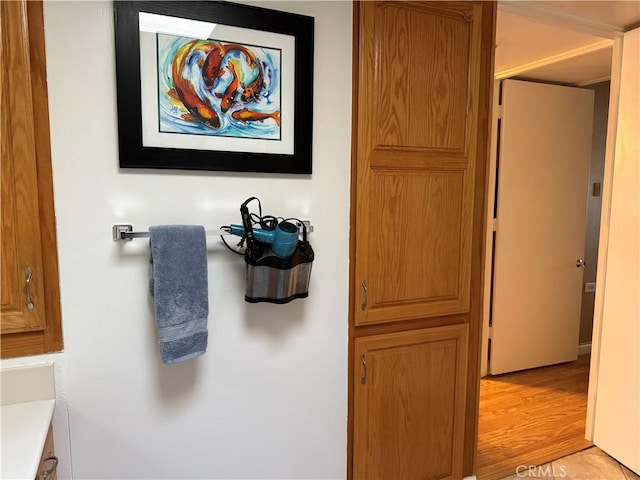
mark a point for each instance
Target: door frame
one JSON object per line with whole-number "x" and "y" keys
{"x": 603, "y": 241}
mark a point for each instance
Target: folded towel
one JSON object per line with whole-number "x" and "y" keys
{"x": 180, "y": 291}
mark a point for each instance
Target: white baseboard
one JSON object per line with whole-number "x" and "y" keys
{"x": 472, "y": 477}
{"x": 584, "y": 348}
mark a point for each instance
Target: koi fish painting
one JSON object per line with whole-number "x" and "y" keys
{"x": 218, "y": 88}
{"x": 214, "y": 86}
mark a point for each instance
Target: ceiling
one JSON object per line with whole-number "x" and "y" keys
{"x": 624, "y": 14}
{"x": 567, "y": 42}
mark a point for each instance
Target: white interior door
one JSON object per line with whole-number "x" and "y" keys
{"x": 615, "y": 392}
{"x": 543, "y": 172}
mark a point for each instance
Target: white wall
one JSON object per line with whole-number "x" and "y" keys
{"x": 269, "y": 398}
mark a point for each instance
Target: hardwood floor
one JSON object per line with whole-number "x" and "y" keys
{"x": 531, "y": 417}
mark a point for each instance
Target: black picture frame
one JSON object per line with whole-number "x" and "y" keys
{"x": 129, "y": 97}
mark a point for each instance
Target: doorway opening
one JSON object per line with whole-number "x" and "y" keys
{"x": 536, "y": 415}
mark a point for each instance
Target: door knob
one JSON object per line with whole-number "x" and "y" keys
{"x": 580, "y": 263}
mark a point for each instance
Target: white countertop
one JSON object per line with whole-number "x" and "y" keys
{"x": 24, "y": 429}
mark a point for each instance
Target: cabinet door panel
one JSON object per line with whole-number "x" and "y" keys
{"x": 20, "y": 228}
{"x": 415, "y": 251}
{"x": 409, "y": 404}
{"x": 420, "y": 82}
{"x": 419, "y": 76}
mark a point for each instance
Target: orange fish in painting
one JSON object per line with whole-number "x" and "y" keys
{"x": 246, "y": 115}
{"x": 211, "y": 66}
{"x": 199, "y": 109}
{"x": 229, "y": 96}
{"x": 253, "y": 89}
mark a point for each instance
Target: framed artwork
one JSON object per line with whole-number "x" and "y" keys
{"x": 205, "y": 85}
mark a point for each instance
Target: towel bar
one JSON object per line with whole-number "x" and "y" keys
{"x": 125, "y": 231}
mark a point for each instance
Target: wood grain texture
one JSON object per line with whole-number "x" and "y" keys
{"x": 53, "y": 341}
{"x": 47, "y": 452}
{"x": 418, "y": 104}
{"x": 20, "y": 218}
{"x": 26, "y": 154}
{"x": 531, "y": 417}
{"x": 409, "y": 403}
{"x": 9, "y": 254}
{"x": 389, "y": 144}
{"x": 482, "y": 139}
{"x": 415, "y": 251}
{"x": 352, "y": 231}
{"x": 421, "y": 80}
{"x": 22, "y": 344}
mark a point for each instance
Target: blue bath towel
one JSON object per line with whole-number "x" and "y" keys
{"x": 180, "y": 290}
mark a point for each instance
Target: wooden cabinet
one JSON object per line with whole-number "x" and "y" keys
{"x": 418, "y": 99}
{"x": 409, "y": 402}
{"x": 22, "y": 278}
{"x": 48, "y": 462}
{"x": 423, "y": 78}
{"x": 30, "y": 310}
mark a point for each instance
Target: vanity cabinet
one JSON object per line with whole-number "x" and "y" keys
{"x": 30, "y": 307}
{"x": 48, "y": 462}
